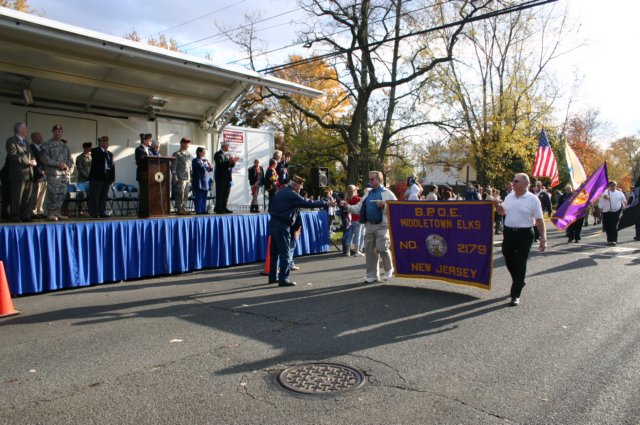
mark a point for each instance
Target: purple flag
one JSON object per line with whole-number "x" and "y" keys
{"x": 575, "y": 206}
{"x": 447, "y": 241}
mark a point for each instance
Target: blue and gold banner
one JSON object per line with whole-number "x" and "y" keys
{"x": 448, "y": 241}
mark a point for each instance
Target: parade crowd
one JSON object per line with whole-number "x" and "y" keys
{"x": 36, "y": 175}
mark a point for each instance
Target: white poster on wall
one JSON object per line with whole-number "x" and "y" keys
{"x": 235, "y": 139}
{"x": 249, "y": 144}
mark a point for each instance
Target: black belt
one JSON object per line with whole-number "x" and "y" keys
{"x": 517, "y": 229}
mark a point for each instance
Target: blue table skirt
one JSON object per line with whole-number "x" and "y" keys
{"x": 48, "y": 257}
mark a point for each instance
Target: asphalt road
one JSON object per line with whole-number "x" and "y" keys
{"x": 206, "y": 347}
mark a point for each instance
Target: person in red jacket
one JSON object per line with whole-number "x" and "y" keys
{"x": 352, "y": 235}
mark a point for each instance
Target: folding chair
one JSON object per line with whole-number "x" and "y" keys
{"x": 70, "y": 199}
{"x": 82, "y": 198}
{"x": 119, "y": 199}
{"x": 211, "y": 199}
{"x": 133, "y": 197}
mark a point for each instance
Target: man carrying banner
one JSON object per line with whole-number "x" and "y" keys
{"x": 521, "y": 209}
{"x": 372, "y": 210}
{"x": 576, "y": 204}
{"x": 611, "y": 204}
{"x": 575, "y": 228}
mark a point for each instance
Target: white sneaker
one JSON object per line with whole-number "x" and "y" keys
{"x": 514, "y": 301}
{"x": 370, "y": 280}
{"x": 388, "y": 275}
{"x": 358, "y": 254}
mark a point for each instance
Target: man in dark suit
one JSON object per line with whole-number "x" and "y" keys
{"x": 143, "y": 151}
{"x": 222, "y": 174}
{"x": 102, "y": 174}
{"x": 21, "y": 165}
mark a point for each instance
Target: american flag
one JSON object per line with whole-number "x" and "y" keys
{"x": 545, "y": 164}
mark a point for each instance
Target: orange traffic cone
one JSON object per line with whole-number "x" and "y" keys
{"x": 267, "y": 261}
{"x": 6, "y": 305}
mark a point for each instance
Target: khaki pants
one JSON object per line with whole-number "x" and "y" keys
{"x": 182, "y": 195}
{"x": 376, "y": 245}
{"x": 39, "y": 193}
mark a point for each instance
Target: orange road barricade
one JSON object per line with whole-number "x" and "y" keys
{"x": 6, "y": 304}
{"x": 267, "y": 261}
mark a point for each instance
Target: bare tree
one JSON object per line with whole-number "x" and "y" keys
{"x": 499, "y": 91}
{"x": 381, "y": 62}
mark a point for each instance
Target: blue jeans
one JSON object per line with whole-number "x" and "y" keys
{"x": 346, "y": 239}
{"x": 281, "y": 253}
{"x": 357, "y": 235}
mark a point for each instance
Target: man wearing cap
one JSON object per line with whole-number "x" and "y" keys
{"x": 224, "y": 164}
{"x": 21, "y": 164}
{"x": 181, "y": 175}
{"x": 102, "y": 174}
{"x": 58, "y": 163}
{"x": 142, "y": 151}
{"x": 284, "y": 212}
{"x": 39, "y": 177}
{"x": 83, "y": 163}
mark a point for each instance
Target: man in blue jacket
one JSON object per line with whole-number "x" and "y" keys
{"x": 284, "y": 212}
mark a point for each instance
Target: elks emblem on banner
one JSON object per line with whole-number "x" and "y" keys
{"x": 436, "y": 245}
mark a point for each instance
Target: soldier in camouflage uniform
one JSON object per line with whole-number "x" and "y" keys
{"x": 83, "y": 163}
{"x": 58, "y": 163}
{"x": 181, "y": 175}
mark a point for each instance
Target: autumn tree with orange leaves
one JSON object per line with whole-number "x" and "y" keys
{"x": 19, "y": 5}
{"x": 583, "y": 133}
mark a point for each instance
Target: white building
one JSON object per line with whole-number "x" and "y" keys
{"x": 452, "y": 175}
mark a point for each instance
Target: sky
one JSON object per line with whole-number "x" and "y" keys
{"x": 605, "y": 63}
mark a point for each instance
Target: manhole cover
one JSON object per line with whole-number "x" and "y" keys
{"x": 320, "y": 378}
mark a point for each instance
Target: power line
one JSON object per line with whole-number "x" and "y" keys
{"x": 337, "y": 32}
{"x": 240, "y": 27}
{"x": 287, "y": 23}
{"x": 507, "y": 10}
{"x": 197, "y": 19}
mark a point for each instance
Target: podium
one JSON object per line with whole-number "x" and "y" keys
{"x": 155, "y": 186}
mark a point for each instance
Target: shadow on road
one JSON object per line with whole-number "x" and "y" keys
{"x": 300, "y": 323}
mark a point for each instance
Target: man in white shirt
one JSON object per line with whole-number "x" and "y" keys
{"x": 521, "y": 208}
{"x": 611, "y": 205}
{"x": 372, "y": 210}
